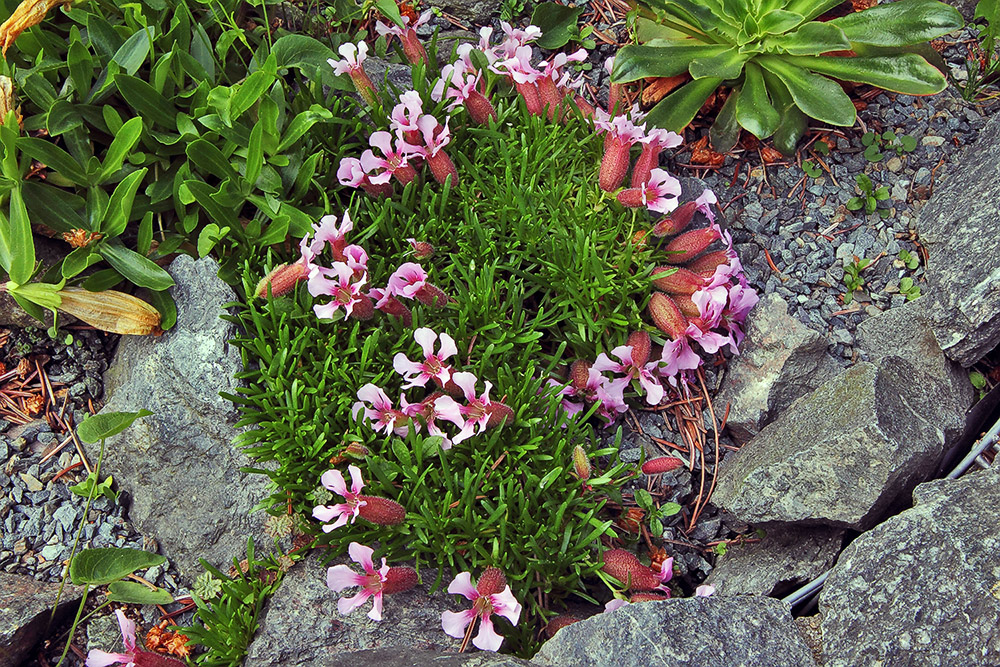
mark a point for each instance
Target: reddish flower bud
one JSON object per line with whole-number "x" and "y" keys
{"x": 639, "y": 340}
{"x": 587, "y": 109}
{"x": 674, "y": 280}
{"x": 532, "y": 97}
{"x": 499, "y": 413}
{"x": 558, "y": 623}
{"x": 479, "y": 108}
{"x": 648, "y": 160}
{"x": 421, "y": 249}
{"x": 677, "y": 221}
{"x": 396, "y": 308}
{"x": 364, "y": 86}
{"x": 614, "y": 164}
{"x": 550, "y": 96}
{"x": 281, "y": 280}
{"x": 615, "y": 103}
{"x": 708, "y": 263}
{"x": 399, "y": 579}
{"x": 579, "y": 374}
{"x": 581, "y": 464}
{"x": 648, "y": 597}
{"x": 363, "y": 309}
{"x": 631, "y": 197}
{"x": 626, "y": 568}
{"x": 442, "y": 167}
{"x": 381, "y": 511}
{"x": 687, "y": 245}
{"x": 377, "y": 189}
{"x": 491, "y": 582}
{"x": 431, "y": 295}
{"x": 666, "y": 315}
{"x": 687, "y": 306}
{"x": 405, "y": 174}
{"x": 412, "y": 48}
{"x": 661, "y": 465}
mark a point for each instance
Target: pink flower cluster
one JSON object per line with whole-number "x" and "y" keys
{"x": 472, "y": 417}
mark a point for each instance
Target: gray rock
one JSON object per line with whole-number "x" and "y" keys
{"x": 960, "y": 231}
{"x": 302, "y": 626}
{"x": 25, "y": 606}
{"x": 786, "y": 557}
{"x": 839, "y": 456}
{"x": 104, "y": 634}
{"x": 781, "y": 360}
{"x": 967, "y": 7}
{"x": 478, "y": 12}
{"x": 180, "y": 465}
{"x": 381, "y": 71}
{"x": 921, "y": 588}
{"x": 905, "y": 332}
{"x": 708, "y": 632}
{"x": 407, "y": 657}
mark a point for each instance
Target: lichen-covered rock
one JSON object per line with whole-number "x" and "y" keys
{"x": 959, "y": 227}
{"x": 478, "y": 12}
{"x": 707, "y": 632}
{"x": 922, "y": 588}
{"x": 839, "y": 456}
{"x": 408, "y": 657}
{"x": 785, "y": 558}
{"x": 180, "y": 466}
{"x": 25, "y": 608}
{"x": 781, "y": 360}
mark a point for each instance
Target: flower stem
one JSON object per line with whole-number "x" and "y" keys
{"x": 468, "y": 636}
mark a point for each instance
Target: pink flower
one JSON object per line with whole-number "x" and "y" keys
{"x": 711, "y": 302}
{"x": 611, "y": 394}
{"x": 658, "y": 194}
{"x": 433, "y": 366}
{"x": 476, "y": 410}
{"x": 353, "y": 55}
{"x": 431, "y": 409}
{"x": 412, "y": 47}
{"x": 435, "y": 137}
{"x": 704, "y": 591}
{"x": 460, "y": 83}
{"x": 387, "y": 302}
{"x": 632, "y": 371}
{"x": 134, "y": 654}
{"x": 709, "y": 341}
{"x": 517, "y": 37}
{"x": 356, "y": 259}
{"x": 394, "y": 161}
{"x": 407, "y": 280}
{"x": 351, "y": 172}
{"x": 371, "y": 582}
{"x": 615, "y": 604}
{"x": 486, "y": 602}
{"x": 705, "y": 202}
{"x": 382, "y": 414}
{"x": 347, "y": 511}
{"x": 518, "y": 68}
{"x": 404, "y": 116}
{"x": 678, "y": 356}
{"x": 346, "y": 291}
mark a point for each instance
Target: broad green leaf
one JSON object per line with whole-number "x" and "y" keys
{"x": 725, "y": 65}
{"x": 132, "y": 54}
{"x": 106, "y": 424}
{"x": 255, "y": 154}
{"x": 55, "y": 158}
{"x": 303, "y": 52}
{"x": 164, "y": 303}
{"x": 793, "y": 123}
{"x": 900, "y": 23}
{"x": 204, "y": 194}
{"x": 120, "y": 205}
{"x": 144, "y": 240}
{"x": 636, "y": 62}
{"x": 102, "y": 36}
{"x": 677, "y": 109}
{"x": 100, "y": 281}
{"x": 201, "y": 50}
{"x": 146, "y": 101}
{"x": 754, "y": 110}
{"x": 210, "y": 235}
{"x": 815, "y": 95}
{"x": 251, "y": 90}
{"x": 18, "y": 239}
{"x": 558, "y": 22}
{"x": 779, "y": 21}
{"x": 989, "y": 10}
{"x": 54, "y": 207}
{"x": 390, "y": 10}
{"x": 208, "y": 158}
{"x": 810, "y": 9}
{"x": 78, "y": 260}
{"x": 135, "y": 267}
{"x": 98, "y": 567}
{"x": 906, "y": 73}
{"x": 811, "y": 39}
{"x": 125, "y": 140}
{"x": 301, "y": 124}
{"x": 276, "y": 232}
{"x": 725, "y": 131}
{"x": 90, "y": 487}
{"x": 81, "y": 66}
{"x": 132, "y": 592}
{"x": 710, "y": 14}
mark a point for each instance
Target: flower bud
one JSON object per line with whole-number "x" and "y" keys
{"x": 648, "y": 160}
{"x": 581, "y": 464}
{"x": 626, "y": 568}
{"x": 639, "y": 340}
{"x": 491, "y": 582}
{"x": 412, "y": 48}
{"x": 579, "y": 374}
{"x": 381, "y": 511}
{"x": 480, "y": 109}
{"x": 614, "y": 164}
{"x": 649, "y": 597}
{"x": 405, "y": 173}
{"x": 558, "y": 623}
{"x": 431, "y": 295}
{"x": 393, "y": 306}
{"x": 587, "y": 109}
{"x": 667, "y": 317}
{"x": 281, "y": 280}
{"x": 677, "y": 221}
{"x": 442, "y": 167}
{"x": 377, "y": 190}
{"x": 631, "y": 197}
{"x": 708, "y": 263}
{"x": 364, "y": 86}
{"x": 499, "y": 413}
{"x": 549, "y": 95}
{"x": 421, "y": 249}
{"x": 363, "y": 309}
{"x": 532, "y": 97}
{"x": 687, "y": 245}
{"x": 687, "y": 306}
{"x": 675, "y": 280}
{"x": 110, "y": 310}
{"x": 399, "y": 579}
{"x": 660, "y": 465}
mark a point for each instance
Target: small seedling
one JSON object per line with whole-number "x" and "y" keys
{"x": 86, "y": 488}
{"x": 978, "y": 381}
{"x": 908, "y": 289}
{"x": 870, "y": 197}
{"x": 812, "y": 170}
{"x": 853, "y": 279}
{"x": 909, "y": 259}
{"x": 876, "y": 143}
{"x": 655, "y": 514}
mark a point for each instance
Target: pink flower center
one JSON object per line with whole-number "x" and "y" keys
{"x": 373, "y": 582}
{"x": 344, "y": 295}
{"x": 483, "y": 606}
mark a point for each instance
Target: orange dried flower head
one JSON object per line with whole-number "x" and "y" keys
{"x": 80, "y": 238}
{"x": 29, "y": 13}
{"x": 34, "y": 405}
{"x": 631, "y": 519}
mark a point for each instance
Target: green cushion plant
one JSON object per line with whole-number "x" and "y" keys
{"x": 780, "y": 62}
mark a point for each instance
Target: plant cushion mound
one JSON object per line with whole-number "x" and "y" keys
{"x": 781, "y": 64}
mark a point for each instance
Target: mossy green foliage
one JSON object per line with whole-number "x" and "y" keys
{"x": 541, "y": 270}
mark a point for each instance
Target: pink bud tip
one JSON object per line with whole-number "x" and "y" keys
{"x": 661, "y": 465}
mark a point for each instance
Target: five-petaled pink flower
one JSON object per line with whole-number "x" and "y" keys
{"x": 347, "y": 510}
{"x": 382, "y": 414}
{"x": 404, "y": 116}
{"x": 491, "y": 596}
{"x": 430, "y": 410}
{"x": 338, "y": 282}
{"x": 352, "y": 57}
{"x": 134, "y": 654}
{"x": 394, "y": 161}
{"x": 658, "y": 194}
{"x": 476, "y": 410}
{"x": 371, "y": 582}
{"x": 407, "y": 280}
{"x": 433, "y": 366}
{"x": 632, "y": 371}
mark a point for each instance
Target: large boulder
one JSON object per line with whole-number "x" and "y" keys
{"x": 786, "y": 557}
{"x": 921, "y": 588}
{"x": 25, "y": 610}
{"x": 301, "y": 624}
{"x": 960, "y": 227}
{"x": 408, "y": 657}
{"x": 707, "y": 632}
{"x": 841, "y": 455}
{"x": 781, "y": 360}
{"x": 477, "y": 12}
{"x": 180, "y": 466}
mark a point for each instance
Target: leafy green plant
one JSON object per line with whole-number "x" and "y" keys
{"x": 982, "y": 66}
{"x": 655, "y": 515}
{"x": 979, "y": 383}
{"x": 559, "y": 25}
{"x": 812, "y": 170}
{"x": 875, "y": 143}
{"x": 87, "y": 487}
{"x": 853, "y": 279}
{"x": 771, "y": 55}
{"x": 869, "y": 198}
{"x": 910, "y": 260}
{"x": 908, "y": 288}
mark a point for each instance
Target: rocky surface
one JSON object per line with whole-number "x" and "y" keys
{"x": 781, "y": 360}
{"x": 25, "y": 608}
{"x": 785, "y": 558}
{"x": 475, "y": 11}
{"x": 406, "y": 657}
{"x": 708, "y": 632}
{"x": 839, "y": 456}
{"x": 179, "y": 466}
{"x": 301, "y": 624}
{"x": 922, "y": 588}
{"x": 959, "y": 228}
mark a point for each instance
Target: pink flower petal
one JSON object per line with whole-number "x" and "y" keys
{"x": 505, "y": 605}
{"x": 487, "y": 639}
{"x": 340, "y": 577}
{"x": 362, "y": 555}
{"x": 356, "y": 483}
{"x": 127, "y": 628}
{"x": 334, "y": 480}
{"x": 425, "y": 338}
{"x": 99, "y": 658}
{"x": 454, "y": 623}
{"x": 462, "y": 585}
{"x": 466, "y": 382}
{"x": 347, "y": 605}
{"x": 376, "y": 611}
